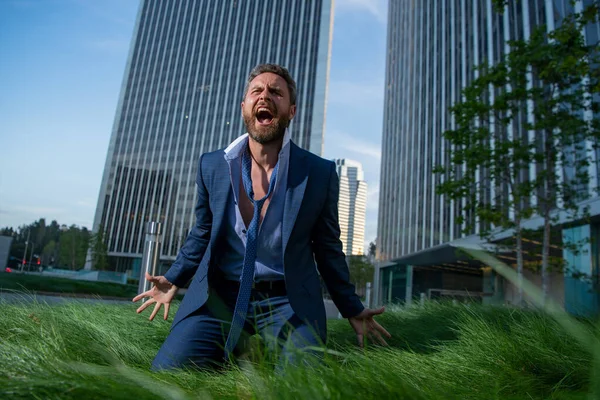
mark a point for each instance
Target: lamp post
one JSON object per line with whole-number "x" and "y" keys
{"x": 25, "y": 252}
{"x": 30, "y": 257}
{"x": 151, "y": 254}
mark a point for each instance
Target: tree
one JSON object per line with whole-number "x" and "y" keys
{"x": 39, "y": 233}
{"x": 49, "y": 253}
{"x": 57, "y": 246}
{"x": 99, "y": 250}
{"x": 373, "y": 250}
{"x": 500, "y": 178}
{"x": 53, "y": 231}
{"x": 7, "y": 231}
{"x": 361, "y": 272}
{"x": 73, "y": 246}
{"x": 19, "y": 243}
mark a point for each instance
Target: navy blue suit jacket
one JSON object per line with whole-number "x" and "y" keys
{"x": 310, "y": 234}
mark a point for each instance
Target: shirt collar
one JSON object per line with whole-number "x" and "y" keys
{"x": 234, "y": 150}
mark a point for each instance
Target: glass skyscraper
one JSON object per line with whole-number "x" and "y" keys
{"x": 433, "y": 48}
{"x": 181, "y": 95}
{"x": 352, "y": 205}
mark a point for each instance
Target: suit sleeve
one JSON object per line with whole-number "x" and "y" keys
{"x": 329, "y": 254}
{"x": 192, "y": 251}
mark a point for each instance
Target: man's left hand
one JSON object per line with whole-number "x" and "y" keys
{"x": 364, "y": 324}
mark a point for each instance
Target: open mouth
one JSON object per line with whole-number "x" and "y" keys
{"x": 264, "y": 116}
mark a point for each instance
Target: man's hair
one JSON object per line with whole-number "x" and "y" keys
{"x": 275, "y": 69}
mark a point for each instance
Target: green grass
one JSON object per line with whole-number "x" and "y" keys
{"x": 40, "y": 283}
{"x": 439, "y": 351}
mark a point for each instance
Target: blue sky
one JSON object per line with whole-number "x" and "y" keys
{"x": 61, "y": 67}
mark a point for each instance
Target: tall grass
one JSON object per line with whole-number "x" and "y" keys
{"x": 438, "y": 351}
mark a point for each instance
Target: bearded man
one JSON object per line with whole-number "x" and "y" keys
{"x": 266, "y": 226}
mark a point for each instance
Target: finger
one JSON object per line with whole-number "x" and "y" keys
{"x": 167, "y": 305}
{"x": 360, "y": 338}
{"x": 377, "y": 311}
{"x": 381, "y": 329}
{"x": 150, "y": 278}
{"x": 145, "y": 305}
{"x": 378, "y": 337}
{"x": 155, "y": 311}
{"x": 141, "y": 295}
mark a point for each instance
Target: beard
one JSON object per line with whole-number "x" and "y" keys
{"x": 266, "y": 134}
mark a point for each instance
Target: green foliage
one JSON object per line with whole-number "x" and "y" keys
{"x": 486, "y": 155}
{"x": 372, "y": 249}
{"x": 549, "y": 85}
{"x": 499, "y": 5}
{"x": 74, "y": 244}
{"x": 57, "y": 245}
{"x": 99, "y": 250}
{"x": 361, "y": 272}
{"x": 49, "y": 253}
{"x": 439, "y": 351}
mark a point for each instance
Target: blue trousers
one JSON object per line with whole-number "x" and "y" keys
{"x": 198, "y": 340}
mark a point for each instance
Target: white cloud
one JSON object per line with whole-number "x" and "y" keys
{"x": 359, "y": 147}
{"x": 369, "y": 152}
{"x": 378, "y": 8}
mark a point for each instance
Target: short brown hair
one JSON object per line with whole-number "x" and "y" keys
{"x": 275, "y": 69}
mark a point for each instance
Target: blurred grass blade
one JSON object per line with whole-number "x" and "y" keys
{"x": 570, "y": 324}
{"x": 151, "y": 384}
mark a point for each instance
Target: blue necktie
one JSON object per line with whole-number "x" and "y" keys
{"x": 243, "y": 299}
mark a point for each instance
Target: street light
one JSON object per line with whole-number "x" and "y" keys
{"x": 25, "y": 252}
{"x": 30, "y": 257}
{"x": 151, "y": 255}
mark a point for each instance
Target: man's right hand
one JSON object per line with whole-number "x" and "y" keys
{"x": 162, "y": 292}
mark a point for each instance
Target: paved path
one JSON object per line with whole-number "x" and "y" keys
{"x": 16, "y": 298}
{"x": 52, "y": 298}
{"x": 330, "y": 309}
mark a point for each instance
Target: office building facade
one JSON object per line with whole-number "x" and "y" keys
{"x": 352, "y": 205}
{"x": 433, "y": 48}
{"x": 181, "y": 95}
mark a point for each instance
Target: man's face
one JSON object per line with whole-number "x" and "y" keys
{"x": 266, "y": 108}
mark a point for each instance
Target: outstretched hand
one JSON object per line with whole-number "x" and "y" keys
{"x": 364, "y": 324}
{"x": 162, "y": 292}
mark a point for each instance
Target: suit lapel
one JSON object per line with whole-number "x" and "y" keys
{"x": 296, "y": 185}
{"x": 220, "y": 194}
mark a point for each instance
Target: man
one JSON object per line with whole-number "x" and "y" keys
{"x": 266, "y": 211}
